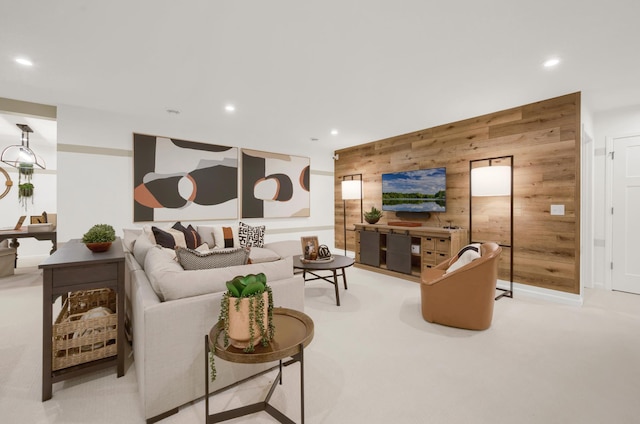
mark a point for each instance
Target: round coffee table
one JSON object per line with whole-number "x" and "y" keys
{"x": 339, "y": 262}
{"x": 294, "y": 332}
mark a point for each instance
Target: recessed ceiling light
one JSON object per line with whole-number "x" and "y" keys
{"x": 23, "y": 61}
{"x": 230, "y": 108}
{"x": 551, "y": 63}
{"x": 334, "y": 132}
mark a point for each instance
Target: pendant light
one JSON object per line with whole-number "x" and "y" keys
{"x": 21, "y": 155}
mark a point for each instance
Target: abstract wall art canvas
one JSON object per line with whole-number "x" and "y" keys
{"x": 183, "y": 180}
{"x": 274, "y": 185}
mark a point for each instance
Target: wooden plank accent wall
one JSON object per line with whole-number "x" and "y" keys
{"x": 544, "y": 139}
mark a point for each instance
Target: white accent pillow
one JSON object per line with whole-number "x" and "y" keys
{"x": 466, "y": 255}
{"x": 218, "y": 237}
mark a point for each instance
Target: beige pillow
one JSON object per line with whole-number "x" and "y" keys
{"x": 225, "y": 236}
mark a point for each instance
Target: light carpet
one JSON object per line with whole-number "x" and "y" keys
{"x": 375, "y": 360}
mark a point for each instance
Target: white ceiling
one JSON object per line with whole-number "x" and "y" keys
{"x": 297, "y": 69}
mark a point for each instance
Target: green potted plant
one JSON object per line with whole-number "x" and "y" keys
{"x": 99, "y": 237}
{"x": 246, "y": 311}
{"x": 373, "y": 215}
{"x": 25, "y": 191}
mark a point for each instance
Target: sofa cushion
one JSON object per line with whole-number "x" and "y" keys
{"x": 285, "y": 248}
{"x": 192, "y": 259}
{"x": 160, "y": 266}
{"x": 251, "y": 236}
{"x": 140, "y": 248}
{"x": 169, "y": 237}
{"x": 465, "y": 256}
{"x": 171, "y": 281}
{"x": 129, "y": 236}
{"x": 261, "y": 254}
{"x": 191, "y": 237}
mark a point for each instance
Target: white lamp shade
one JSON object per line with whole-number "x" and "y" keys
{"x": 491, "y": 181}
{"x": 351, "y": 189}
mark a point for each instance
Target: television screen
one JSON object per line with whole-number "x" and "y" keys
{"x": 415, "y": 191}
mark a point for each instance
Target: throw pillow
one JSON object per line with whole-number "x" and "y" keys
{"x": 191, "y": 259}
{"x": 225, "y": 237}
{"x": 140, "y": 248}
{"x": 251, "y": 236}
{"x": 191, "y": 237}
{"x": 169, "y": 238}
{"x": 465, "y": 256}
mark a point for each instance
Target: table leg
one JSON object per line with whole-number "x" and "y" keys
{"x": 206, "y": 378}
{"x": 302, "y": 383}
{"x": 14, "y": 244}
{"x": 344, "y": 278}
{"x": 47, "y": 343}
{"x": 54, "y": 242}
{"x": 335, "y": 283}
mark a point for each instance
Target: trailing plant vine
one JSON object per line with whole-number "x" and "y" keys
{"x": 252, "y": 287}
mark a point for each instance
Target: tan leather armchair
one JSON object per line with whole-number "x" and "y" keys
{"x": 463, "y": 298}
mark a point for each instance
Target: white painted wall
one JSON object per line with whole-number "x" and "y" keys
{"x": 607, "y": 124}
{"x": 586, "y": 199}
{"x": 98, "y": 188}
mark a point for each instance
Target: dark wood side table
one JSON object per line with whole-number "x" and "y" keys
{"x": 71, "y": 268}
{"x": 294, "y": 332}
{"x": 339, "y": 262}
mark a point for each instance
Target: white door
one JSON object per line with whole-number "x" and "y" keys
{"x": 626, "y": 214}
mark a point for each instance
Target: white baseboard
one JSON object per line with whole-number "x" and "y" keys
{"x": 542, "y": 293}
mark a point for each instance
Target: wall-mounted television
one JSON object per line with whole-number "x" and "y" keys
{"x": 423, "y": 190}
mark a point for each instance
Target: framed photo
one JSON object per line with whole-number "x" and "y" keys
{"x": 309, "y": 247}
{"x": 38, "y": 219}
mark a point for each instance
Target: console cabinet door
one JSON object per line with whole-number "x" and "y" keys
{"x": 370, "y": 248}
{"x": 399, "y": 253}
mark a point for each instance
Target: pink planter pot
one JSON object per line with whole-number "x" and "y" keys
{"x": 239, "y": 335}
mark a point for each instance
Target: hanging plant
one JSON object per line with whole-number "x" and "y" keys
{"x": 26, "y": 170}
{"x": 25, "y": 191}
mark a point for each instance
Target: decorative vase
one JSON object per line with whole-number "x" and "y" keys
{"x": 239, "y": 332}
{"x": 99, "y": 247}
{"x": 372, "y": 220}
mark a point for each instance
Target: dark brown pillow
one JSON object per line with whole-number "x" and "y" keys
{"x": 191, "y": 236}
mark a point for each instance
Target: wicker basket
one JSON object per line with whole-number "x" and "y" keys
{"x": 77, "y": 340}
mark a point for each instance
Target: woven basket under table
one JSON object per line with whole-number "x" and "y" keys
{"x": 76, "y": 340}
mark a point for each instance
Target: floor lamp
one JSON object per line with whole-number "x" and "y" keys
{"x": 496, "y": 179}
{"x": 351, "y": 190}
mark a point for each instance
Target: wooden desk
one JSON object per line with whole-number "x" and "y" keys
{"x": 15, "y": 235}
{"x": 72, "y": 268}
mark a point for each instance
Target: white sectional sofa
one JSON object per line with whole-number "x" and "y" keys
{"x": 171, "y": 310}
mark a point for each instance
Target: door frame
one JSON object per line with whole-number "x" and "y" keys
{"x": 608, "y": 273}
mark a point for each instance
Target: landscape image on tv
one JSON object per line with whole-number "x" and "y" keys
{"x": 415, "y": 191}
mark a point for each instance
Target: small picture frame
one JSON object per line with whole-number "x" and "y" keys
{"x": 37, "y": 219}
{"x": 309, "y": 247}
